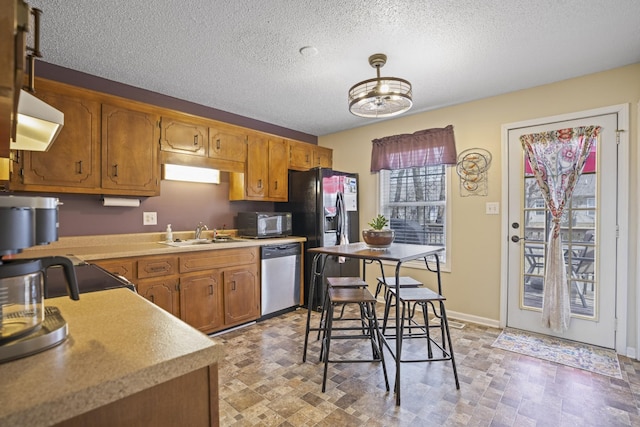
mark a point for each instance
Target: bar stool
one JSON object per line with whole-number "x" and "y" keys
{"x": 390, "y": 282}
{"x": 425, "y": 298}
{"x": 317, "y": 269}
{"x": 340, "y": 283}
{"x": 369, "y": 329}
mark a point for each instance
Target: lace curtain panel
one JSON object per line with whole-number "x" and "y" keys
{"x": 557, "y": 159}
{"x": 435, "y": 146}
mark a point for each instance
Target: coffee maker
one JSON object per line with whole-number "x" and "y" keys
{"x": 26, "y": 325}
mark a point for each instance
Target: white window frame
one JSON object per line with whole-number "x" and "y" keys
{"x": 445, "y": 258}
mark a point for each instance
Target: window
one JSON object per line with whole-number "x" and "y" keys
{"x": 415, "y": 201}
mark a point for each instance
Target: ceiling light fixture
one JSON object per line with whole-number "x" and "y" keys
{"x": 382, "y": 96}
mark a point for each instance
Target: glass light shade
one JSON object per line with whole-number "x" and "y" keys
{"x": 380, "y": 97}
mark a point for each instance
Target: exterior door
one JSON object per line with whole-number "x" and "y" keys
{"x": 589, "y": 237}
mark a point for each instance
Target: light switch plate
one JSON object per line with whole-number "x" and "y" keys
{"x": 149, "y": 218}
{"x": 493, "y": 208}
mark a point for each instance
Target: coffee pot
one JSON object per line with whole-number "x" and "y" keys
{"x": 26, "y": 222}
{"x": 22, "y": 284}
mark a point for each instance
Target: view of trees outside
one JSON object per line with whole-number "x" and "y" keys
{"x": 415, "y": 202}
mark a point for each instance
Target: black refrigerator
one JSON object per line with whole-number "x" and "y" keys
{"x": 324, "y": 208}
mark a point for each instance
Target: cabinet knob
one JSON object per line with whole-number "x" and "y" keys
{"x": 79, "y": 166}
{"x": 195, "y": 139}
{"x": 115, "y": 170}
{"x": 218, "y": 144}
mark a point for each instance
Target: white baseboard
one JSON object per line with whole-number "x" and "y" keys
{"x": 631, "y": 353}
{"x": 469, "y": 318}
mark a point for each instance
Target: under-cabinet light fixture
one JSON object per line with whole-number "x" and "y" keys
{"x": 190, "y": 174}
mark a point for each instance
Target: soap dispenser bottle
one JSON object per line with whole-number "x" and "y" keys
{"x": 169, "y": 236}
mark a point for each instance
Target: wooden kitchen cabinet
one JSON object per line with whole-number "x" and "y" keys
{"x": 323, "y": 157}
{"x": 304, "y": 156}
{"x": 190, "y": 400}
{"x": 266, "y": 174}
{"x": 163, "y": 292}
{"x": 103, "y": 148}
{"x": 73, "y": 160}
{"x": 228, "y": 143}
{"x": 180, "y": 136}
{"x": 209, "y": 290}
{"x": 130, "y": 151}
{"x": 300, "y": 156}
{"x": 201, "y": 300}
{"x": 124, "y": 267}
{"x": 225, "y": 293}
{"x": 241, "y": 295}
{"x": 156, "y": 266}
{"x": 158, "y": 281}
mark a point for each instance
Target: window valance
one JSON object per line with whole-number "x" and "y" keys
{"x": 426, "y": 147}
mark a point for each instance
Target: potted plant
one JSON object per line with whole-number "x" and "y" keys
{"x": 378, "y": 237}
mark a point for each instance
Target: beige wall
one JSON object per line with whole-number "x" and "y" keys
{"x": 472, "y": 286}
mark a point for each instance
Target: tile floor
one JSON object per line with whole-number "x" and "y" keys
{"x": 263, "y": 382}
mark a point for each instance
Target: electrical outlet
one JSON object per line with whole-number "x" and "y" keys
{"x": 492, "y": 208}
{"x": 149, "y": 218}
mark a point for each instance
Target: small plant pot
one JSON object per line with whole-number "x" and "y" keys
{"x": 378, "y": 239}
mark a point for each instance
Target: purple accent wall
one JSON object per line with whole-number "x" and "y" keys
{"x": 181, "y": 204}
{"x": 88, "y": 81}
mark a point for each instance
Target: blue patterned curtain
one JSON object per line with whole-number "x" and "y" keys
{"x": 557, "y": 159}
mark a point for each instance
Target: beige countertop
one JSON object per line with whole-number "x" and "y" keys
{"x": 91, "y": 248}
{"x": 118, "y": 344}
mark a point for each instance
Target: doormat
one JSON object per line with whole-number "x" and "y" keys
{"x": 577, "y": 355}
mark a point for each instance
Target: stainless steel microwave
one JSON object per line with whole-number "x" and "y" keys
{"x": 260, "y": 225}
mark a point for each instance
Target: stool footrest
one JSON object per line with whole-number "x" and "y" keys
{"x": 346, "y": 282}
{"x": 404, "y": 281}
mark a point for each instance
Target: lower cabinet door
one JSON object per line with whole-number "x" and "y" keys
{"x": 241, "y": 294}
{"x": 201, "y": 300}
{"x": 163, "y": 292}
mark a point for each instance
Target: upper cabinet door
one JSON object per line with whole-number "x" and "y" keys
{"x": 226, "y": 143}
{"x": 73, "y": 160}
{"x": 278, "y": 174}
{"x": 323, "y": 157}
{"x": 182, "y": 137}
{"x": 130, "y": 151}
{"x": 257, "y": 169}
{"x": 300, "y": 156}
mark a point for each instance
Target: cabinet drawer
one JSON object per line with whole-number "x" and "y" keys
{"x": 220, "y": 258}
{"x": 124, "y": 267}
{"x": 157, "y": 266}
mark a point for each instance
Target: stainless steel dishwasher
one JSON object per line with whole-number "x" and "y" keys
{"x": 280, "y": 277}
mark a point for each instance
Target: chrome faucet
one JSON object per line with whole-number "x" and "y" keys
{"x": 199, "y": 229}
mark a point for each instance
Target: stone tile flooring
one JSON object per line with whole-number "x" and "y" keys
{"x": 263, "y": 382}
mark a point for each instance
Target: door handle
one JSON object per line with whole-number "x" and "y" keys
{"x": 516, "y": 239}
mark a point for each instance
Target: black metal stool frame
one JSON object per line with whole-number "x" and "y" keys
{"x": 371, "y": 332}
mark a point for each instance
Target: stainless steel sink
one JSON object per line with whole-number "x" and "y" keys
{"x": 188, "y": 242}
{"x": 193, "y": 242}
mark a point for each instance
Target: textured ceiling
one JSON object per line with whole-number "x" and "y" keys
{"x": 243, "y": 56}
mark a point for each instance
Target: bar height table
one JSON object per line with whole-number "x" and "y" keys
{"x": 398, "y": 253}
